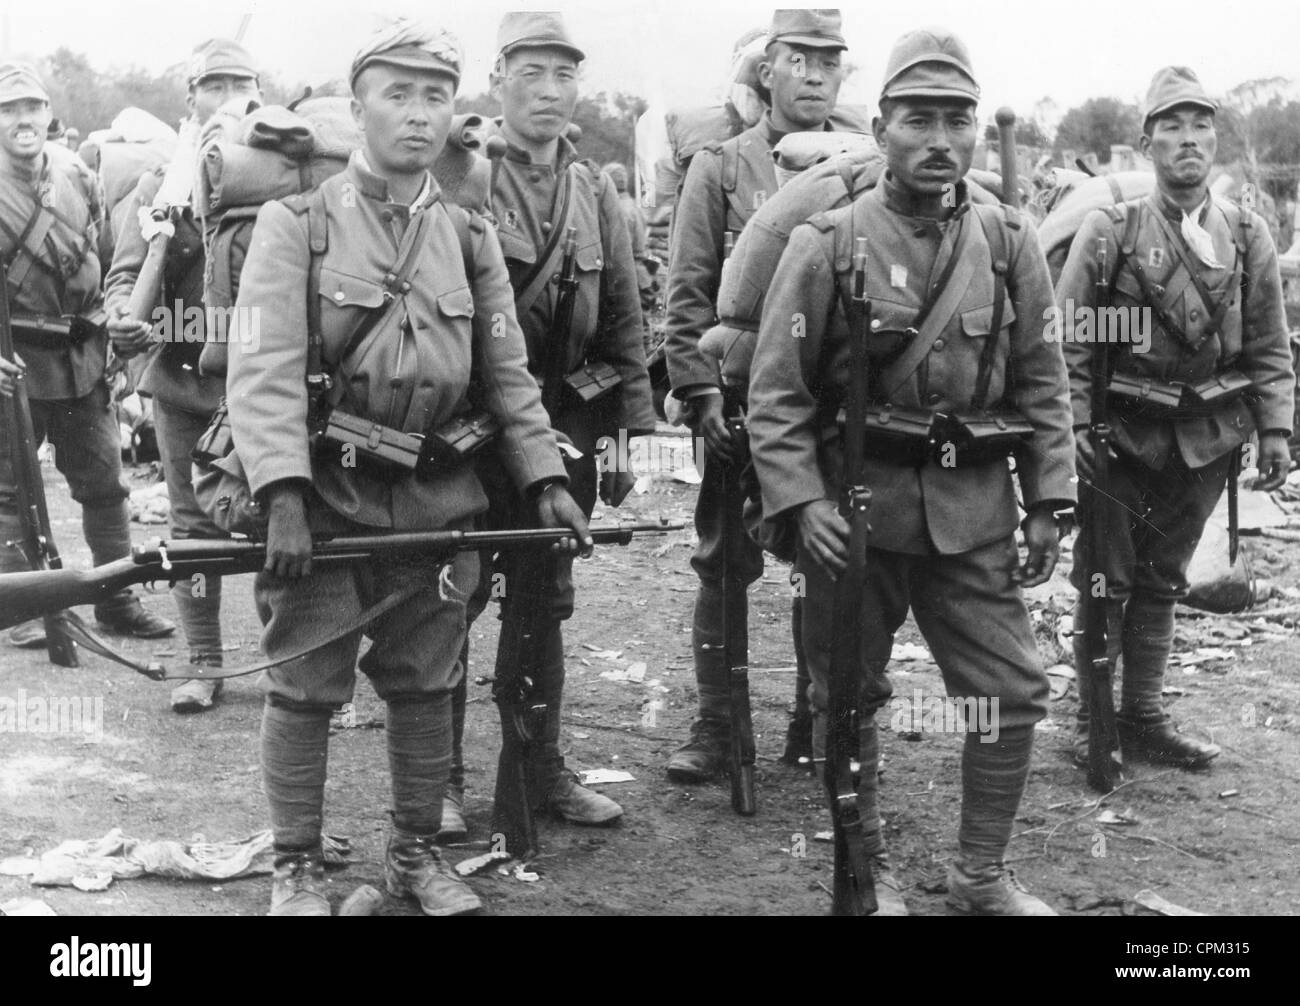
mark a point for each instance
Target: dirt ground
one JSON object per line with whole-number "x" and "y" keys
{"x": 1222, "y": 842}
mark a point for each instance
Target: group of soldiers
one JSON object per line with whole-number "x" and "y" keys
{"x": 422, "y": 310}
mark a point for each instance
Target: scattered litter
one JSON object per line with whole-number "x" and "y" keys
{"x": 642, "y": 484}
{"x": 1059, "y": 677}
{"x": 365, "y": 900}
{"x": 98, "y": 881}
{"x": 1110, "y": 817}
{"x": 633, "y": 672}
{"x": 1203, "y": 655}
{"x": 150, "y": 504}
{"x": 604, "y": 776}
{"x": 519, "y": 872}
{"x": 1152, "y": 902}
{"x": 27, "y": 906}
{"x": 910, "y": 651}
{"x": 688, "y": 475}
{"x": 824, "y": 836}
{"x": 469, "y": 867}
{"x": 1229, "y": 792}
{"x": 598, "y": 654}
{"x": 579, "y": 735}
{"x": 120, "y": 858}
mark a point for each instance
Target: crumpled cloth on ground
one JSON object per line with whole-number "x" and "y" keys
{"x": 84, "y": 863}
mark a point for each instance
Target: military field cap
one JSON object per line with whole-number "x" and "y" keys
{"x": 930, "y": 63}
{"x": 409, "y": 43}
{"x": 818, "y": 29}
{"x": 19, "y": 81}
{"x": 1174, "y": 86}
{"x": 220, "y": 56}
{"x": 533, "y": 29}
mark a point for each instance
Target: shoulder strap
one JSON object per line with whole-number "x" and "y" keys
{"x": 313, "y": 204}
{"x": 999, "y": 251}
{"x": 730, "y": 152}
{"x": 935, "y": 314}
{"x": 532, "y": 285}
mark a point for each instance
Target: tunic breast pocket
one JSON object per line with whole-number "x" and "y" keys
{"x": 977, "y": 323}
{"x": 588, "y": 262}
{"x": 892, "y": 328}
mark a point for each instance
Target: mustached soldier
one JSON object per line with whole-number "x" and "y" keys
{"x": 449, "y": 322}
{"x": 724, "y": 187}
{"x": 541, "y": 189}
{"x": 53, "y": 246}
{"x": 184, "y": 399}
{"x": 1207, "y": 273}
{"x": 941, "y": 542}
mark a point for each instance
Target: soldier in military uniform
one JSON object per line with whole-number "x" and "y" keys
{"x": 52, "y": 244}
{"x": 540, "y": 189}
{"x": 359, "y": 233}
{"x": 184, "y": 399}
{"x": 1205, "y": 274}
{"x": 724, "y": 187}
{"x": 941, "y": 541}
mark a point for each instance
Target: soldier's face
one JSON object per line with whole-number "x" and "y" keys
{"x": 213, "y": 91}
{"x": 405, "y": 115}
{"x": 23, "y": 124}
{"x": 803, "y": 82}
{"x": 538, "y": 92}
{"x": 1182, "y": 146}
{"x": 928, "y": 143}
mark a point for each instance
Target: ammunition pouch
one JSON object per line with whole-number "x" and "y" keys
{"x": 58, "y": 331}
{"x": 220, "y": 482}
{"x": 912, "y": 437}
{"x": 900, "y": 436}
{"x": 1146, "y": 398}
{"x": 391, "y": 454}
{"x": 981, "y": 438}
{"x": 592, "y": 380}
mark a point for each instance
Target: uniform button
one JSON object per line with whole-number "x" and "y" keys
{"x": 534, "y": 176}
{"x": 935, "y": 399}
{"x": 938, "y": 345}
{"x": 338, "y": 295}
{"x": 875, "y": 323}
{"x": 1195, "y": 314}
{"x": 546, "y": 227}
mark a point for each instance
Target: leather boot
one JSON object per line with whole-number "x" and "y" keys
{"x": 1145, "y": 731}
{"x": 413, "y": 868}
{"x": 993, "y": 890}
{"x": 572, "y": 802}
{"x": 704, "y": 757}
{"x": 298, "y": 884}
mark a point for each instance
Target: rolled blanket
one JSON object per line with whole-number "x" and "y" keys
{"x": 796, "y": 152}
{"x": 273, "y": 127}
{"x": 1060, "y": 225}
{"x": 237, "y": 175}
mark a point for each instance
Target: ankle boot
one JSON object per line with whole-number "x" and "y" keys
{"x": 413, "y": 868}
{"x": 298, "y": 884}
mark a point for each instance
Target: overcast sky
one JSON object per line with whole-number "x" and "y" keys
{"x": 678, "y": 52}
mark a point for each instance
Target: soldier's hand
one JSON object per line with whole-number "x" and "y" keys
{"x": 614, "y": 487}
{"x": 556, "y": 508}
{"x": 1083, "y": 456}
{"x": 712, "y": 426}
{"x": 10, "y": 375}
{"x": 1044, "y": 549}
{"x": 824, "y": 535}
{"x": 288, "y": 537}
{"x": 129, "y": 336}
{"x": 1274, "y": 462}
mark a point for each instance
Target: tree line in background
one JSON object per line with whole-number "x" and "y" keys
{"x": 89, "y": 99}
{"x": 1259, "y": 126}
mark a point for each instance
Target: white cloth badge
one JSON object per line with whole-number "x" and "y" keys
{"x": 1199, "y": 240}
{"x": 1157, "y": 257}
{"x": 898, "y": 276}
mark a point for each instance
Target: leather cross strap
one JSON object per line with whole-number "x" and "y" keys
{"x": 1217, "y": 311}
{"x": 548, "y": 262}
{"x": 935, "y": 314}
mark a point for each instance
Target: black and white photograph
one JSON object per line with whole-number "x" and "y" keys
{"x": 651, "y": 459}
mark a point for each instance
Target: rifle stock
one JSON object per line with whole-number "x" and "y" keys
{"x": 854, "y": 891}
{"x": 37, "y": 540}
{"x": 40, "y": 592}
{"x": 1102, "y": 734}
